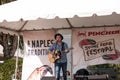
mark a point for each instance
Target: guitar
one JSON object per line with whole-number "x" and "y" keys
{"x": 55, "y": 55}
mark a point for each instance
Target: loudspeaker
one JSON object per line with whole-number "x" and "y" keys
{"x": 48, "y": 78}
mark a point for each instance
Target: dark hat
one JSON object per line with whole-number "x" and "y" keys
{"x": 58, "y": 34}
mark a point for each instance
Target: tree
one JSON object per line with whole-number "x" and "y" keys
{"x": 9, "y": 43}
{"x": 5, "y": 1}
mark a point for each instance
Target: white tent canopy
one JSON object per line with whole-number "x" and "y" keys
{"x": 24, "y": 15}
{"x": 58, "y": 23}
{"x": 46, "y": 14}
{"x": 32, "y": 9}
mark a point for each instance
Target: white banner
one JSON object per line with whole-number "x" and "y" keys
{"x": 95, "y": 46}
{"x": 35, "y": 56}
{"x": 92, "y": 51}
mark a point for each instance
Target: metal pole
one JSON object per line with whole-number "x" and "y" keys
{"x": 71, "y": 59}
{"x": 16, "y": 68}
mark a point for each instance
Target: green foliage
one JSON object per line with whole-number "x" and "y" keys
{"x": 8, "y": 68}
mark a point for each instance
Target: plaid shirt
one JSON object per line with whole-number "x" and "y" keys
{"x": 63, "y": 56}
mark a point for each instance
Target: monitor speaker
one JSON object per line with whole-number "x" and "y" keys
{"x": 48, "y": 78}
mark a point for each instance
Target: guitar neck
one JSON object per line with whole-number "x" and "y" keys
{"x": 66, "y": 49}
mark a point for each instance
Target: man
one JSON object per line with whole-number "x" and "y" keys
{"x": 39, "y": 72}
{"x": 60, "y": 63}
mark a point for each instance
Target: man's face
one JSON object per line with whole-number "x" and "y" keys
{"x": 58, "y": 38}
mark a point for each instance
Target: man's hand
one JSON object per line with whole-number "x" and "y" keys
{"x": 66, "y": 51}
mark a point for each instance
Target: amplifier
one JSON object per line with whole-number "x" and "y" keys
{"x": 48, "y": 78}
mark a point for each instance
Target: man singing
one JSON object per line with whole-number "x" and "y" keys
{"x": 60, "y": 63}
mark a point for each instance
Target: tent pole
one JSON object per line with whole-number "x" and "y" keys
{"x": 71, "y": 26}
{"x": 16, "y": 68}
{"x": 71, "y": 59}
